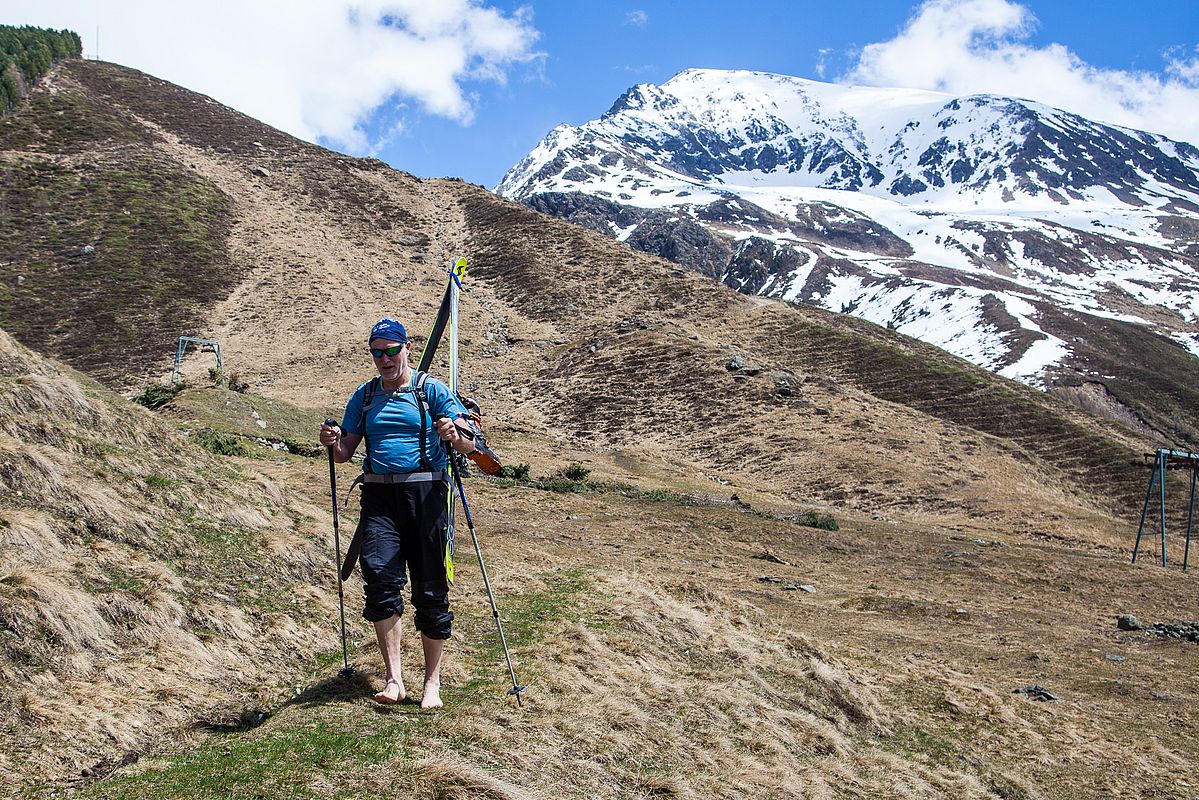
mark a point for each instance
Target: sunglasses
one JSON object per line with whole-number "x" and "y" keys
{"x": 386, "y": 351}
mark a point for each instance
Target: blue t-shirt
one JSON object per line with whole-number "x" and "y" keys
{"x": 393, "y": 425}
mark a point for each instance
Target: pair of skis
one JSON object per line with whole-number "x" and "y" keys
{"x": 447, "y": 313}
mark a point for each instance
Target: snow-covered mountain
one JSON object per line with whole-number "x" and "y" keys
{"x": 1037, "y": 243}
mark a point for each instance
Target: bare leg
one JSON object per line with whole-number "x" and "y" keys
{"x": 388, "y": 631}
{"x": 433, "y": 649}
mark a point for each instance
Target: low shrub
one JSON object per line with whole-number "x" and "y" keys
{"x": 515, "y": 472}
{"x": 235, "y": 383}
{"x": 811, "y": 519}
{"x": 557, "y": 483}
{"x": 157, "y": 395}
{"x": 222, "y": 444}
{"x": 306, "y": 449}
{"x": 576, "y": 472}
{"x": 666, "y": 496}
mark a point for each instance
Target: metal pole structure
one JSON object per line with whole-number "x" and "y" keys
{"x": 495, "y": 612}
{"x": 1145, "y": 510}
{"x": 1161, "y": 454}
{"x": 180, "y": 347}
{"x": 346, "y": 669}
{"x": 1190, "y": 515}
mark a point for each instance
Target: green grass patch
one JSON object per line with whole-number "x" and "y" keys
{"x": 813, "y": 519}
{"x": 124, "y": 580}
{"x": 316, "y": 740}
{"x": 269, "y": 762}
{"x": 326, "y": 660}
{"x": 161, "y": 482}
{"x": 665, "y": 496}
{"x": 525, "y": 617}
{"x": 240, "y": 413}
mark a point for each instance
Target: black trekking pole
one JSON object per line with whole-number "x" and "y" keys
{"x": 516, "y": 689}
{"x": 346, "y": 669}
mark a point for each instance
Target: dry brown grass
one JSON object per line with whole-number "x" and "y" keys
{"x": 446, "y": 777}
{"x": 685, "y": 692}
{"x": 109, "y": 593}
{"x": 680, "y": 677}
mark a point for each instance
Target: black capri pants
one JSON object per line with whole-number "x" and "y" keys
{"x": 404, "y": 524}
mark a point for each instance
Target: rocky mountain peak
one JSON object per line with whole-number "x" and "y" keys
{"x": 996, "y": 227}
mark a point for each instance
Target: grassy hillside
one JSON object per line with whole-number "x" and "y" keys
{"x": 109, "y": 249}
{"x": 661, "y": 664}
{"x": 175, "y": 609}
{"x": 143, "y": 582}
{"x": 663, "y": 372}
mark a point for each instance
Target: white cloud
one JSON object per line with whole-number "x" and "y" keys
{"x": 981, "y": 46}
{"x": 314, "y": 68}
{"x": 638, "y": 18}
{"x": 822, "y": 56}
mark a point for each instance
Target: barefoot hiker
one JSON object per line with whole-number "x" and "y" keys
{"x": 404, "y": 508}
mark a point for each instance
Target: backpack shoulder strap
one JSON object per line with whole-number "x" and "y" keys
{"x": 422, "y": 402}
{"x": 373, "y": 389}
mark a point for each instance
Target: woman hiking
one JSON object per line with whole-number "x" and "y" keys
{"x": 404, "y": 510}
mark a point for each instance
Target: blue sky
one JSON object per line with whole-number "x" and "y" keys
{"x": 593, "y": 52}
{"x": 467, "y": 87}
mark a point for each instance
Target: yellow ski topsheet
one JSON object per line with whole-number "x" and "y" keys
{"x": 458, "y": 272}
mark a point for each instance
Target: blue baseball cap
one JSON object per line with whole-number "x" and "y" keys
{"x": 389, "y": 329}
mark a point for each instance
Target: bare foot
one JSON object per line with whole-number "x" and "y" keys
{"x": 392, "y": 693}
{"x": 432, "y": 696}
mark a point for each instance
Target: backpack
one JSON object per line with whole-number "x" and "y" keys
{"x": 483, "y": 456}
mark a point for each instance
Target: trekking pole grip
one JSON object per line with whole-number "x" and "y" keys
{"x": 332, "y": 473}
